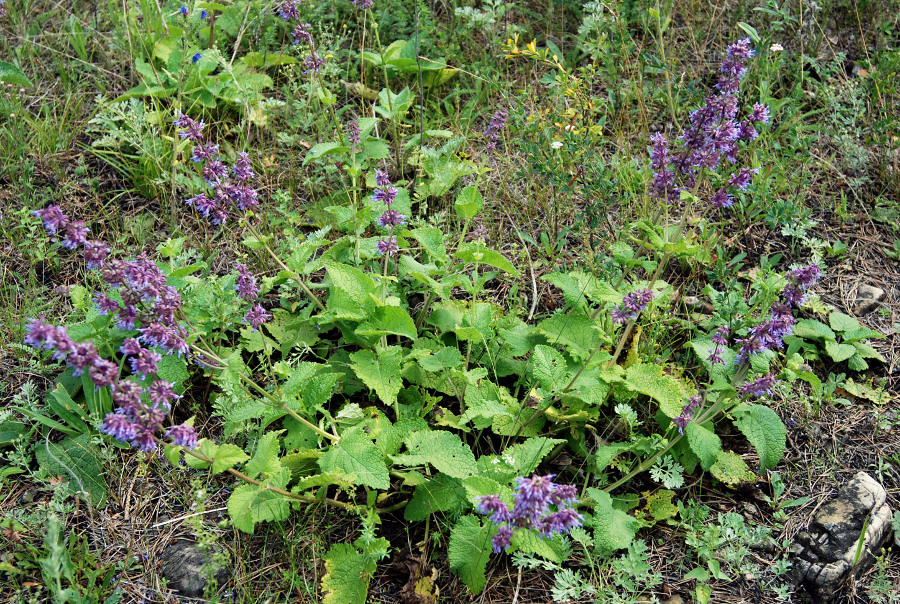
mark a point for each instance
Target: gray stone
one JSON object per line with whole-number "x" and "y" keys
{"x": 868, "y": 298}
{"x": 828, "y": 552}
{"x": 188, "y": 568}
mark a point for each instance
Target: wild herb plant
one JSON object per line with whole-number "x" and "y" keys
{"x": 370, "y": 371}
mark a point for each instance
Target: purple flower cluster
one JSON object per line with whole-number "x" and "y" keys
{"x": 687, "y": 413}
{"x": 245, "y": 286}
{"x": 353, "y": 135}
{"x": 758, "y": 387}
{"x": 363, "y": 4}
{"x": 632, "y": 304}
{"x": 540, "y": 504}
{"x": 390, "y": 219}
{"x": 2, "y": 9}
{"x": 141, "y": 410}
{"x": 714, "y": 133}
{"x": 720, "y": 339}
{"x": 74, "y": 234}
{"x": 495, "y": 125}
{"x": 227, "y": 187}
{"x": 767, "y": 335}
{"x": 289, "y": 10}
{"x": 800, "y": 279}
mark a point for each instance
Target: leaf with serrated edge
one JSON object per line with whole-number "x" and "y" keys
{"x": 356, "y": 454}
{"x": 470, "y": 549}
{"x": 380, "y": 372}
{"x": 347, "y": 573}
{"x": 443, "y": 450}
{"x": 704, "y": 443}
{"x": 765, "y": 431}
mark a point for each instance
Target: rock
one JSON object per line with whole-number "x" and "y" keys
{"x": 188, "y": 567}
{"x": 827, "y": 553}
{"x": 868, "y": 298}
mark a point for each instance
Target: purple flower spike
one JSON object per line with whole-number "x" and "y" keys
{"x": 385, "y": 194}
{"x": 363, "y": 4}
{"x": 119, "y": 427}
{"x": 495, "y": 125}
{"x": 382, "y": 179}
{"x": 503, "y": 539}
{"x": 391, "y": 218}
{"x": 243, "y": 171}
{"x": 76, "y": 234}
{"x": 183, "y": 436}
{"x": 103, "y": 373}
{"x": 53, "y": 218}
{"x": 190, "y": 130}
{"x": 245, "y": 285}
{"x": 387, "y": 246}
{"x": 82, "y": 356}
{"x": 162, "y": 394}
{"x": 301, "y": 34}
{"x": 95, "y": 254}
{"x": 256, "y": 316}
{"x": 145, "y": 362}
{"x": 490, "y": 505}
{"x": 288, "y": 10}
{"x": 758, "y": 387}
{"x": 353, "y": 135}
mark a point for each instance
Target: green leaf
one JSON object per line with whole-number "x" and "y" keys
{"x": 173, "y": 368}
{"x": 476, "y": 252}
{"x": 250, "y": 503}
{"x": 812, "y": 329}
{"x": 841, "y": 322}
{"x": 854, "y": 335}
{"x": 76, "y": 458}
{"x": 839, "y": 352}
{"x": 226, "y": 457}
{"x": 867, "y": 352}
{"x": 704, "y": 443}
{"x": 389, "y": 320}
{"x": 443, "y": 450}
{"x": 549, "y": 368}
{"x": 323, "y": 149}
{"x": 731, "y": 469}
{"x": 60, "y": 403}
{"x": 432, "y": 240}
{"x": 11, "y": 431}
{"x": 356, "y": 454}
{"x": 470, "y": 549}
{"x": 613, "y": 529}
{"x": 265, "y": 458}
{"x": 667, "y": 390}
{"x": 381, "y": 373}
{"x": 347, "y": 573}
{"x": 448, "y": 357}
{"x": 554, "y": 549}
{"x": 765, "y": 431}
{"x": 13, "y": 75}
{"x": 529, "y": 454}
{"x": 468, "y": 203}
{"x": 440, "y": 494}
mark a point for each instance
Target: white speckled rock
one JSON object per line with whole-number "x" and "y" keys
{"x": 827, "y": 553}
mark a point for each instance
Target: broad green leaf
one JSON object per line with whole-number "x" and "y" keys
{"x": 323, "y": 149}
{"x": 613, "y": 529}
{"x": 667, "y": 390}
{"x": 389, "y": 320}
{"x": 548, "y": 367}
{"x": 478, "y": 253}
{"x": 75, "y": 458}
{"x": 810, "y": 328}
{"x": 839, "y": 352}
{"x": 380, "y": 372}
{"x": 576, "y": 332}
{"x": 448, "y": 357}
{"x": 347, "y": 574}
{"x": 356, "y": 454}
{"x": 250, "y": 503}
{"x": 765, "y": 431}
{"x": 555, "y": 549}
{"x": 470, "y": 549}
{"x": 10, "y": 431}
{"x": 354, "y": 283}
{"x": 854, "y": 335}
{"x": 173, "y": 368}
{"x": 607, "y": 453}
{"x": 841, "y": 322}
{"x": 440, "y": 494}
{"x": 481, "y": 486}
{"x": 265, "y": 458}
{"x": 529, "y": 454}
{"x": 227, "y": 456}
{"x": 731, "y": 469}
{"x": 867, "y": 352}
{"x": 659, "y": 505}
{"x": 443, "y": 450}
{"x": 468, "y": 203}
{"x": 204, "y": 447}
{"x": 432, "y": 240}
{"x": 704, "y": 443}
{"x": 13, "y": 75}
